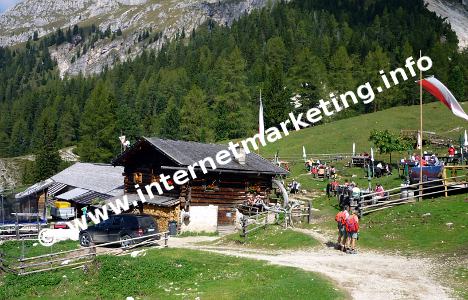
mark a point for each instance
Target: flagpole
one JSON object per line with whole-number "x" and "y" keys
{"x": 421, "y": 132}
{"x": 260, "y": 130}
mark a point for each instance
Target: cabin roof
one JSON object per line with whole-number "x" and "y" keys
{"x": 185, "y": 153}
{"x": 82, "y": 196}
{"x": 100, "y": 178}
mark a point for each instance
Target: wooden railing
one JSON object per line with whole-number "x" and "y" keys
{"x": 77, "y": 257}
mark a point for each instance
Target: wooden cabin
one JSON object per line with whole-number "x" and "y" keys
{"x": 81, "y": 184}
{"x": 226, "y": 186}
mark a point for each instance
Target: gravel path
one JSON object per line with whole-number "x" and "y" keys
{"x": 367, "y": 275}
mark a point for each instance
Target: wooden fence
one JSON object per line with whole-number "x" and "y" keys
{"x": 294, "y": 213}
{"x": 20, "y": 231}
{"x": 77, "y": 257}
{"x": 369, "y": 203}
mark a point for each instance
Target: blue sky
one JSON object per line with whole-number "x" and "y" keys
{"x": 4, "y": 4}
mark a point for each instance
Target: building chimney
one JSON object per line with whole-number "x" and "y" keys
{"x": 242, "y": 155}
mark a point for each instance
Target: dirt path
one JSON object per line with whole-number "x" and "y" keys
{"x": 368, "y": 275}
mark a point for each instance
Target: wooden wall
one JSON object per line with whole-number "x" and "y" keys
{"x": 226, "y": 192}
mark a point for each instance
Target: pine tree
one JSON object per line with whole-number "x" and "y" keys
{"x": 170, "y": 121}
{"x": 456, "y": 82}
{"x": 233, "y": 111}
{"x": 374, "y": 62}
{"x": 276, "y": 98}
{"x": 19, "y": 139}
{"x": 195, "y": 117}
{"x": 48, "y": 160}
{"x": 307, "y": 78}
{"x": 99, "y": 137}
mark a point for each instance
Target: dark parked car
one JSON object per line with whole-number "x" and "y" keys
{"x": 120, "y": 228}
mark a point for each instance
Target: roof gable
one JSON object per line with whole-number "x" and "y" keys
{"x": 187, "y": 153}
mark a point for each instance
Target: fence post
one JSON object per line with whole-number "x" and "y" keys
{"x": 444, "y": 176}
{"x": 309, "y": 218}
{"x": 2, "y": 266}
{"x": 93, "y": 250}
{"x": 17, "y": 228}
{"x": 22, "y": 258}
{"x": 243, "y": 226}
{"x": 359, "y": 206}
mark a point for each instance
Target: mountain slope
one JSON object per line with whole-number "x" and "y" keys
{"x": 203, "y": 85}
{"x": 456, "y": 15}
{"x": 338, "y": 136}
{"x": 168, "y": 17}
{"x": 334, "y": 137}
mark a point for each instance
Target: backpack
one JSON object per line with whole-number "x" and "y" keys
{"x": 340, "y": 217}
{"x": 351, "y": 224}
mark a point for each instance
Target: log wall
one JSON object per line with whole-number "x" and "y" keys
{"x": 162, "y": 215}
{"x": 224, "y": 190}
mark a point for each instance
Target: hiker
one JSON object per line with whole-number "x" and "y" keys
{"x": 308, "y": 165}
{"x": 294, "y": 186}
{"x": 352, "y": 233}
{"x": 340, "y": 219}
{"x": 379, "y": 190}
{"x": 334, "y": 186}
{"x": 388, "y": 169}
{"x": 333, "y": 172}
{"x": 356, "y": 191}
{"x": 451, "y": 151}
{"x": 327, "y": 172}
{"x": 314, "y": 171}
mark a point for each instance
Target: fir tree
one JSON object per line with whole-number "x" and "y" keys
{"x": 195, "y": 117}
{"x": 99, "y": 137}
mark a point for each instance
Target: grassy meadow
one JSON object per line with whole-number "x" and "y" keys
{"x": 172, "y": 274}
{"x": 338, "y": 136}
{"x": 271, "y": 237}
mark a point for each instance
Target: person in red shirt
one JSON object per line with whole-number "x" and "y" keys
{"x": 451, "y": 151}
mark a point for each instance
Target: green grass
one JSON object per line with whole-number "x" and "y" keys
{"x": 271, "y": 237}
{"x": 172, "y": 274}
{"x": 14, "y": 249}
{"x": 338, "y": 136}
{"x": 404, "y": 228}
{"x": 358, "y": 175}
{"x": 461, "y": 281}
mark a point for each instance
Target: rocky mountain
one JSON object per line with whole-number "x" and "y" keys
{"x": 131, "y": 17}
{"x": 456, "y": 14}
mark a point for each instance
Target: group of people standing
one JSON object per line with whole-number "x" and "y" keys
{"x": 348, "y": 230}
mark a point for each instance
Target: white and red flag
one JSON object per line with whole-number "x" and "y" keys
{"x": 441, "y": 92}
{"x": 261, "y": 122}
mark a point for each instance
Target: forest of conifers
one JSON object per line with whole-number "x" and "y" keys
{"x": 204, "y": 85}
